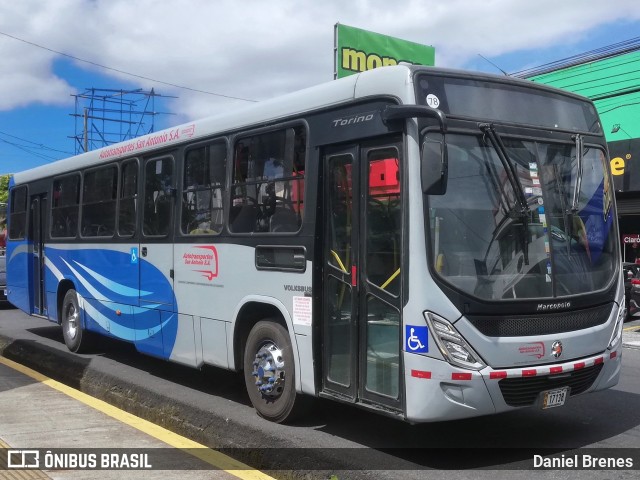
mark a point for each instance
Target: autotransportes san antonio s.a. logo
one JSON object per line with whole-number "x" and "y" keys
{"x": 203, "y": 259}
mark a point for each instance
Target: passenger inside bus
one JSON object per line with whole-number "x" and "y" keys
{"x": 268, "y": 182}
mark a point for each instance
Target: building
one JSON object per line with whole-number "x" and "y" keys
{"x": 609, "y": 76}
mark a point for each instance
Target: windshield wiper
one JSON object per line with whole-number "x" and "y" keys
{"x": 522, "y": 211}
{"x": 579, "y": 156}
{"x": 575, "y": 200}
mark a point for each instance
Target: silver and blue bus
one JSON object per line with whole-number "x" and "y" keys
{"x": 429, "y": 244}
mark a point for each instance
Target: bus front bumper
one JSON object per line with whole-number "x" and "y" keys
{"x": 436, "y": 390}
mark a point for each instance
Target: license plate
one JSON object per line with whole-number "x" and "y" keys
{"x": 554, "y": 398}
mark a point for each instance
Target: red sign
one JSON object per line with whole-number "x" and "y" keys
{"x": 205, "y": 257}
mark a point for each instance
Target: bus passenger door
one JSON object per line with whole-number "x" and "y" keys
{"x": 156, "y": 254}
{"x": 340, "y": 302}
{"x": 36, "y": 242}
{"x": 361, "y": 278}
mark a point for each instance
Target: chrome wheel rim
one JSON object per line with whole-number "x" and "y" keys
{"x": 269, "y": 371}
{"x": 72, "y": 321}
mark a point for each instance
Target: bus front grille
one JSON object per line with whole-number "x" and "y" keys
{"x": 540, "y": 324}
{"x": 524, "y": 391}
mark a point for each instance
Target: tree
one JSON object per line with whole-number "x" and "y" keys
{"x": 4, "y": 188}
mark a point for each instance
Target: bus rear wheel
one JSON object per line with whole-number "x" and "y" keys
{"x": 269, "y": 372}
{"x": 76, "y": 339}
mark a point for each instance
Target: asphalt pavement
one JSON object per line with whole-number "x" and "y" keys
{"x": 169, "y": 396}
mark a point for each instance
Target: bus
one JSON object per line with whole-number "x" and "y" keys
{"x": 425, "y": 243}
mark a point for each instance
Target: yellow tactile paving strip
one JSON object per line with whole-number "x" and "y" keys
{"x": 17, "y": 474}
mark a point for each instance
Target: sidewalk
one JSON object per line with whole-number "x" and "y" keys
{"x": 37, "y": 415}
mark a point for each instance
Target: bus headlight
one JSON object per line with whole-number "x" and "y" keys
{"x": 453, "y": 347}
{"x": 616, "y": 336}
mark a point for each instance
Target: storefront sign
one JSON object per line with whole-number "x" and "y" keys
{"x": 625, "y": 170}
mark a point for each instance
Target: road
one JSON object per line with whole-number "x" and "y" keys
{"x": 211, "y": 407}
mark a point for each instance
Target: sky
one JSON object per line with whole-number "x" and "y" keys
{"x": 206, "y": 57}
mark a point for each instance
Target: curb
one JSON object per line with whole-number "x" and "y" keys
{"x": 206, "y": 427}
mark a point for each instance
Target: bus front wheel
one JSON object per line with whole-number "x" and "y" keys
{"x": 76, "y": 339}
{"x": 269, "y": 372}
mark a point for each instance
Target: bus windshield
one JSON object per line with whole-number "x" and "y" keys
{"x": 486, "y": 243}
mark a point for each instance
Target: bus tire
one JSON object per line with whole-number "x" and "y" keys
{"x": 269, "y": 372}
{"x": 76, "y": 339}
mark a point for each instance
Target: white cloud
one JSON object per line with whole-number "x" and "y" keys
{"x": 24, "y": 88}
{"x": 256, "y": 49}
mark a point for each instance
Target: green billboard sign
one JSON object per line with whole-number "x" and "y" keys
{"x": 358, "y": 50}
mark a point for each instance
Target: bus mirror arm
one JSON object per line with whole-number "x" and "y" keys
{"x": 435, "y": 165}
{"x": 401, "y": 112}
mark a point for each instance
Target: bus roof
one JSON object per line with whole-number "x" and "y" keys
{"x": 395, "y": 81}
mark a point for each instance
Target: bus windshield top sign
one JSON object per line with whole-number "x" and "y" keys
{"x": 497, "y": 101}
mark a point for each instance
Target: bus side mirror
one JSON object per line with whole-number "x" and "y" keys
{"x": 435, "y": 165}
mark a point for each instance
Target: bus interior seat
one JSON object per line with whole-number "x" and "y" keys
{"x": 284, "y": 220}
{"x": 243, "y": 218}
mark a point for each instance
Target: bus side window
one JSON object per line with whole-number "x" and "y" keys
{"x": 204, "y": 178}
{"x": 64, "y": 206}
{"x": 99, "y": 193}
{"x": 18, "y": 213}
{"x": 157, "y": 197}
{"x": 268, "y": 182}
{"x": 127, "y": 212}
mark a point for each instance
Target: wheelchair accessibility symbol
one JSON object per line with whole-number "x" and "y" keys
{"x": 416, "y": 339}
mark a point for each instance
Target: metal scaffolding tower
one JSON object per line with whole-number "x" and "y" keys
{"x": 105, "y": 116}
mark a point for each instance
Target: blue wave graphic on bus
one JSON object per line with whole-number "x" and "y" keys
{"x": 113, "y": 286}
{"x": 109, "y": 291}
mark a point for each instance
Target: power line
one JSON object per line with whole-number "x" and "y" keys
{"x": 617, "y": 86}
{"x": 611, "y": 102}
{"x": 32, "y": 147}
{"x": 28, "y": 150}
{"x": 629, "y": 82}
{"x": 35, "y": 145}
{"x": 612, "y": 50}
{"x": 601, "y": 112}
{"x": 124, "y": 72}
{"x": 588, "y": 71}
